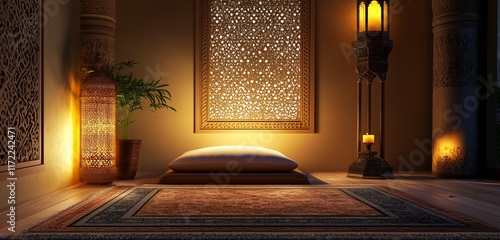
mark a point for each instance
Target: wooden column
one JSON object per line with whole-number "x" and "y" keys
{"x": 455, "y": 104}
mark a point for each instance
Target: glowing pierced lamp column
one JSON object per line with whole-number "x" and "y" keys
{"x": 372, "y": 48}
{"x": 98, "y": 128}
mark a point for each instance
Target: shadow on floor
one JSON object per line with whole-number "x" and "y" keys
{"x": 315, "y": 181}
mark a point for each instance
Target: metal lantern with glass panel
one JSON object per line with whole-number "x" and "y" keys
{"x": 97, "y": 94}
{"x": 372, "y": 49}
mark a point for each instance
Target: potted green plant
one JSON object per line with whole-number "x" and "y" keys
{"x": 131, "y": 94}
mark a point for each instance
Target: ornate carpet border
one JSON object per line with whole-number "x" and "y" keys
{"x": 73, "y": 214}
{"x": 263, "y": 235}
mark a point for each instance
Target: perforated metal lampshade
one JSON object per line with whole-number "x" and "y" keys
{"x": 98, "y": 162}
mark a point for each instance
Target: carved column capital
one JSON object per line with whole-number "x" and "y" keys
{"x": 455, "y": 28}
{"x": 97, "y": 31}
{"x": 444, "y": 7}
{"x": 99, "y": 7}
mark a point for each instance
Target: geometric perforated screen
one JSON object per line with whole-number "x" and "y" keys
{"x": 255, "y": 64}
{"x": 21, "y": 84}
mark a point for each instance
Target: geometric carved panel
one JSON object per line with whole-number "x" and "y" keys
{"x": 21, "y": 83}
{"x": 255, "y": 64}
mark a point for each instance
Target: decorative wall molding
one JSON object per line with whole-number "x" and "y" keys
{"x": 255, "y": 65}
{"x": 21, "y": 84}
{"x": 97, "y": 32}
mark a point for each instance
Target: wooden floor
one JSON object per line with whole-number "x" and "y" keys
{"x": 477, "y": 198}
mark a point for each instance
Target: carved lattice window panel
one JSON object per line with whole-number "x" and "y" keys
{"x": 255, "y": 65}
{"x": 21, "y": 84}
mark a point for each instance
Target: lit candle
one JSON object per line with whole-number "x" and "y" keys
{"x": 368, "y": 138}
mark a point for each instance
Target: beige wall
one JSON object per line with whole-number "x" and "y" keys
{"x": 61, "y": 123}
{"x": 159, "y": 34}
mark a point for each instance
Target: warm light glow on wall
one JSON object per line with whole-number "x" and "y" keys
{"x": 449, "y": 152}
{"x": 73, "y": 141}
{"x": 448, "y": 146}
{"x": 98, "y": 128}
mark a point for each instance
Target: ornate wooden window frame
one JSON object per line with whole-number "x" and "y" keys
{"x": 305, "y": 121}
{"x": 22, "y": 89}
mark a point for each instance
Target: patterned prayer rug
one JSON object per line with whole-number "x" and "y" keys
{"x": 256, "y": 210}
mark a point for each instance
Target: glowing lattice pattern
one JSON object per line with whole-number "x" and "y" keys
{"x": 254, "y": 64}
{"x": 255, "y": 60}
{"x": 98, "y": 129}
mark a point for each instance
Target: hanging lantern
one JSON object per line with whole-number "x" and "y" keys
{"x": 98, "y": 128}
